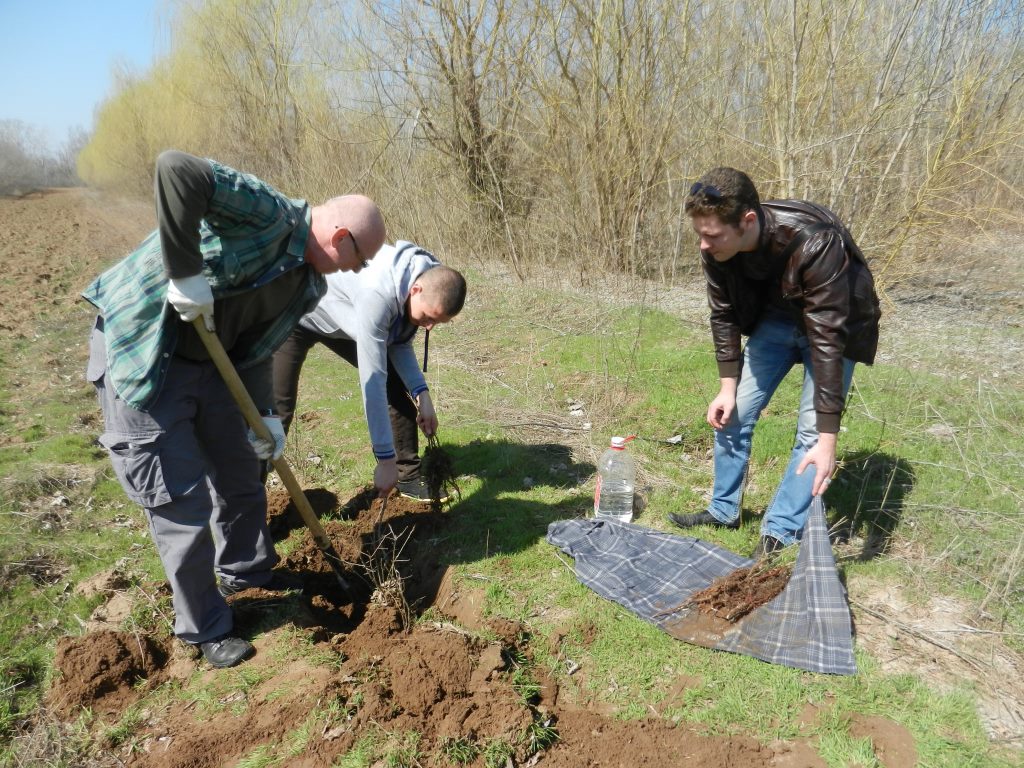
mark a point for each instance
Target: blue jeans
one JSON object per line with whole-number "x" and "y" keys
{"x": 775, "y": 346}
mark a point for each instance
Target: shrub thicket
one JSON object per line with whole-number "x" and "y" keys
{"x": 27, "y": 165}
{"x": 570, "y": 131}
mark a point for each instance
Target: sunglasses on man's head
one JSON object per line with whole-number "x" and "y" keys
{"x": 710, "y": 191}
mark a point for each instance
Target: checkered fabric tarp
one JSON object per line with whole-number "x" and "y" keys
{"x": 653, "y": 574}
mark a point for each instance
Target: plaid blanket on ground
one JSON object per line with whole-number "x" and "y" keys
{"x": 653, "y": 574}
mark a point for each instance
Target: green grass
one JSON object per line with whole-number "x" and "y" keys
{"x": 378, "y": 746}
{"x": 504, "y": 378}
{"x": 898, "y": 480}
{"x": 459, "y": 751}
{"x": 56, "y": 510}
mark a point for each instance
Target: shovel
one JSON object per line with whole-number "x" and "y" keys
{"x": 255, "y": 421}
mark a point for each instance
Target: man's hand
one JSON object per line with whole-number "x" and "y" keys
{"x": 385, "y": 476}
{"x": 426, "y": 417}
{"x": 192, "y": 297}
{"x": 265, "y": 449}
{"x": 823, "y": 457}
{"x": 721, "y": 409}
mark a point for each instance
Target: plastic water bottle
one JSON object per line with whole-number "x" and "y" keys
{"x": 616, "y": 478}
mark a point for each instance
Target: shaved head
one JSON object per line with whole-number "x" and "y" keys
{"x": 346, "y": 232}
{"x": 360, "y": 216}
{"x": 446, "y": 287}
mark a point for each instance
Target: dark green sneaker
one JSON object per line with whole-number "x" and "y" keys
{"x": 417, "y": 489}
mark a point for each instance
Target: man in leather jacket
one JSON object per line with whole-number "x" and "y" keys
{"x": 788, "y": 275}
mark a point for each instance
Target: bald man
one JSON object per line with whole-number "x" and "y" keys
{"x": 248, "y": 260}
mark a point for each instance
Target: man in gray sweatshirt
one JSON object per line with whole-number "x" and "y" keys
{"x": 370, "y": 319}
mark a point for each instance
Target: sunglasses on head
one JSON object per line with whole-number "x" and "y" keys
{"x": 710, "y": 191}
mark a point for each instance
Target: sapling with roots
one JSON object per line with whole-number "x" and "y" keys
{"x": 380, "y": 566}
{"x": 438, "y": 472}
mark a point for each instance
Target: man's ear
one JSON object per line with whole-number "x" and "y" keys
{"x": 416, "y": 288}
{"x": 339, "y": 234}
{"x": 749, "y": 217}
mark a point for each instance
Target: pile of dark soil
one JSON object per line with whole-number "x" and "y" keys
{"x": 733, "y": 596}
{"x": 105, "y": 671}
{"x": 438, "y": 472}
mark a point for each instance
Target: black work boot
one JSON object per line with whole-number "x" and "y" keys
{"x": 280, "y": 581}
{"x": 417, "y": 489}
{"x": 767, "y": 546}
{"x": 226, "y": 651}
{"x": 701, "y": 518}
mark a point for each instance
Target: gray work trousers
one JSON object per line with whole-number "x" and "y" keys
{"x": 288, "y": 360}
{"x": 188, "y": 462}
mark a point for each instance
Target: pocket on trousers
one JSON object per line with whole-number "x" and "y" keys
{"x": 136, "y": 461}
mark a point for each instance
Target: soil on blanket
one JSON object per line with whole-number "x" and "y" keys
{"x": 334, "y": 668}
{"x": 734, "y": 595}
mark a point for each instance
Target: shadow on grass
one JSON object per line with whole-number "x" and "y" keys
{"x": 503, "y": 510}
{"x": 502, "y": 514}
{"x": 868, "y": 504}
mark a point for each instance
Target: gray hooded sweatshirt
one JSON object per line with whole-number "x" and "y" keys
{"x": 369, "y": 308}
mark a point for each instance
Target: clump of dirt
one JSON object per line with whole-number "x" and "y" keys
{"x": 102, "y": 670}
{"x": 438, "y": 472}
{"x": 435, "y": 680}
{"x": 892, "y": 744}
{"x": 283, "y": 516}
{"x": 736, "y": 594}
{"x": 589, "y": 739}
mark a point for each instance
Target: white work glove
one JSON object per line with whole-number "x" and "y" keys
{"x": 264, "y": 449}
{"x": 192, "y": 297}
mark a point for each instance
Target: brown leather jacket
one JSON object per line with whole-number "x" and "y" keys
{"x": 823, "y": 283}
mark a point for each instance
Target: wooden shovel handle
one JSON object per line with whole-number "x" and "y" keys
{"x": 255, "y": 421}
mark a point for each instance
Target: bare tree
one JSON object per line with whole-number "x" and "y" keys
{"x": 461, "y": 68}
{"x": 571, "y": 130}
{"x": 610, "y": 87}
{"x": 251, "y": 56}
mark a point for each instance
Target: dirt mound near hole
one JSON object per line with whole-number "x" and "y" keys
{"x": 361, "y": 540}
{"x": 102, "y": 670}
{"x": 435, "y": 680}
{"x": 587, "y": 739}
{"x": 332, "y": 670}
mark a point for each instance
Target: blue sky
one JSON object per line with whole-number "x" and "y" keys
{"x": 57, "y": 57}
